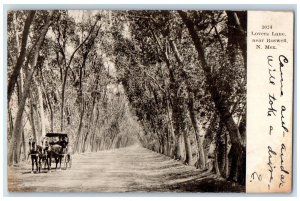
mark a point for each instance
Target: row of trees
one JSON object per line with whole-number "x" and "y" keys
{"x": 61, "y": 79}
{"x": 184, "y": 74}
{"x": 173, "y": 81}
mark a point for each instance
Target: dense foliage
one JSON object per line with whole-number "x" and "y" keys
{"x": 172, "y": 81}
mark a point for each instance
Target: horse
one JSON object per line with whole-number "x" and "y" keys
{"x": 56, "y": 152}
{"x": 39, "y": 155}
{"x": 35, "y": 153}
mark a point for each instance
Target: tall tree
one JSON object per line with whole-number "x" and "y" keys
{"x": 16, "y": 138}
{"x": 22, "y": 54}
{"x": 220, "y": 103}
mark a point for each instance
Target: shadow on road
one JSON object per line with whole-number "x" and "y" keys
{"x": 131, "y": 169}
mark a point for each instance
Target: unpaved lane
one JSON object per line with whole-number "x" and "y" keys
{"x": 120, "y": 170}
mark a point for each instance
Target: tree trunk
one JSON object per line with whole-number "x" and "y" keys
{"x": 178, "y": 147}
{"x": 188, "y": 159}
{"x": 84, "y": 142}
{"x": 89, "y": 125}
{"x": 24, "y": 146}
{"x": 20, "y": 94}
{"x": 181, "y": 131}
{"x": 41, "y": 108}
{"x": 16, "y": 138}
{"x": 62, "y": 114}
{"x": 220, "y": 103}
{"x": 171, "y": 133}
{"x": 11, "y": 125}
{"x": 67, "y": 67}
{"x": 225, "y": 170}
{"x": 188, "y": 149}
{"x": 237, "y": 34}
{"x": 32, "y": 119}
{"x": 14, "y": 148}
{"x": 216, "y": 161}
{"x": 173, "y": 87}
{"x": 78, "y": 137}
{"x": 219, "y": 151}
{"x": 93, "y": 137}
{"x": 82, "y": 102}
{"x": 201, "y": 163}
{"x": 48, "y": 102}
{"x": 16, "y": 71}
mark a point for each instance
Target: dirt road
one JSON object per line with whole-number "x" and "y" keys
{"x": 121, "y": 170}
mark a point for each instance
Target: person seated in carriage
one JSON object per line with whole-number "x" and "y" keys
{"x": 59, "y": 142}
{"x": 63, "y": 143}
{"x": 53, "y": 141}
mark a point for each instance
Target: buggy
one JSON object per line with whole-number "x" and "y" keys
{"x": 62, "y": 140}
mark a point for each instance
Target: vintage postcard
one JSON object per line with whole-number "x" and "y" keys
{"x": 149, "y": 101}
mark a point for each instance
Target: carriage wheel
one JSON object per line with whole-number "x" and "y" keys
{"x": 65, "y": 161}
{"x": 70, "y": 161}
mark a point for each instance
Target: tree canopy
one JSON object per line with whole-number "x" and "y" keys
{"x": 171, "y": 81}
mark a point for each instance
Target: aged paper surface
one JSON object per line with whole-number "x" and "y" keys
{"x": 269, "y": 101}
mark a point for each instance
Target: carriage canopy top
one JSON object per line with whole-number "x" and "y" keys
{"x": 56, "y": 135}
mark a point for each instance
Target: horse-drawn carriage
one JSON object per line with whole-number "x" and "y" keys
{"x": 58, "y": 143}
{"x": 54, "y": 148}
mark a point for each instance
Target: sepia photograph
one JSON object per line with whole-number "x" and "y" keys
{"x": 126, "y": 100}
